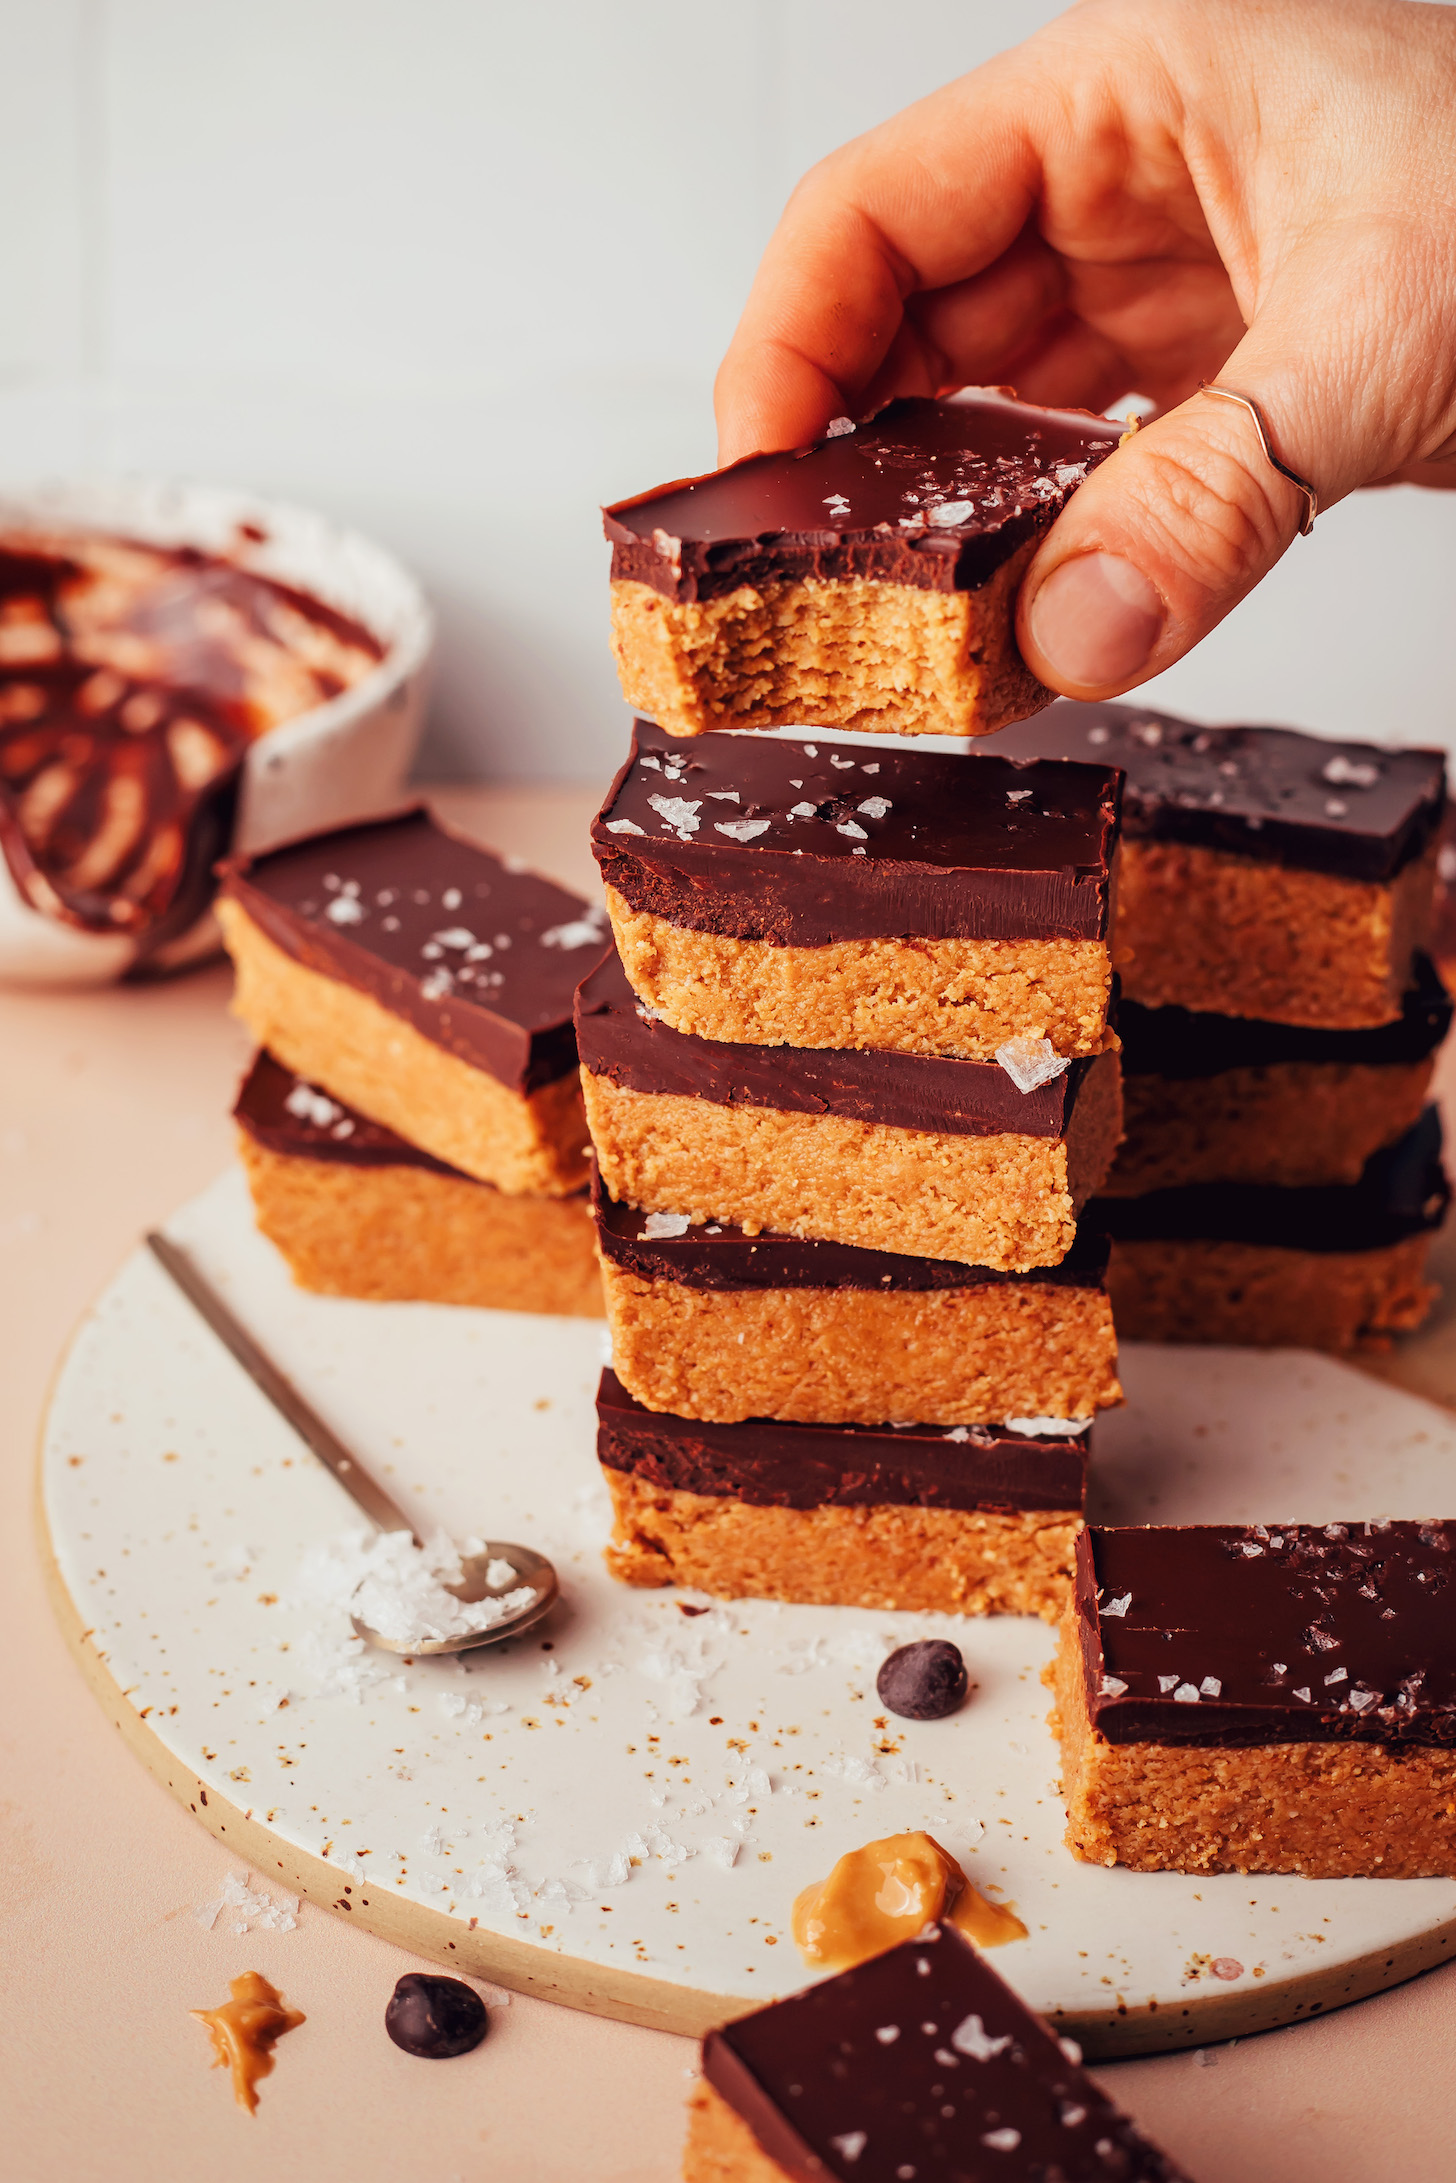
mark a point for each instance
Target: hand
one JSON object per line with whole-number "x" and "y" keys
{"x": 1146, "y": 194}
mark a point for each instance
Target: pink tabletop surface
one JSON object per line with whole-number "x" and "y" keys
{"x": 113, "y": 1110}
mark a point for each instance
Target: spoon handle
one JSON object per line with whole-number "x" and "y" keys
{"x": 280, "y": 1391}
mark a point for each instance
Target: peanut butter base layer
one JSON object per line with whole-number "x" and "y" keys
{"x": 958, "y": 997}
{"x": 1331, "y": 1811}
{"x": 1203, "y": 929}
{"x": 402, "y": 1234}
{"x": 1008, "y": 1202}
{"x": 345, "y": 1042}
{"x": 1259, "y": 1296}
{"x": 1288, "y": 1124}
{"x": 852, "y": 1357}
{"x": 883, "y": 1556}
{"x": 720, "y": 2146}
{"x": 836, "y": 652}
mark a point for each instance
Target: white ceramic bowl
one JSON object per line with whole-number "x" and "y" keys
{"x": 338, "y": 763}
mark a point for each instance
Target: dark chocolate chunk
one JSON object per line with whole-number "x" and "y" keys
{"x": 1403, "y": 1191}
{"x": 922, "y": 2063}
{"x": 1244, "y": 1634}
{"x": 284, "y": 1114}
{"x": 924, "y": 1681}
{"x": 802, "y": 844}
{"x": 617, "y": 1038}
{"x": 938, "y": 495}
{"x": 716, "y": 1255}
{"x": 1179, "y": 1043}
{"x": 435, "y": 2017}
{"x": 125, "y": 719}
{"x": 480, "y": 956}
{"x": 1357, "y": 810}
{"x": 776, "y": 1465}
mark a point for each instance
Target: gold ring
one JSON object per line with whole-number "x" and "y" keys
{"x": 1301, "y": 485}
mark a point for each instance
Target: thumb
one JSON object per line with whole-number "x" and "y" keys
{"x": 1161, "y": 542}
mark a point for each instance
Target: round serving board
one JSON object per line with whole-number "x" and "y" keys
{"x": 617, "y": 1810}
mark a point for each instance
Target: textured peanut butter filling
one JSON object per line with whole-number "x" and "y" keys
{"x": 245, "y": 2030}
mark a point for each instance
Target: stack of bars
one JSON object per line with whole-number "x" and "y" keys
{"x": 411, "y": 1126}
{"x": 850, "y": 1075}
{"x": 1280, "y": 1181}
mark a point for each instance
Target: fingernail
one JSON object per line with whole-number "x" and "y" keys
{"x": 1095, "y": 620}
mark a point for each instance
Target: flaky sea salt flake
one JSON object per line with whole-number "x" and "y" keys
{"x": 664, "y": 1224}
{"x": 741, "y": 829}
{"x": 1031, "y": 1062}
{"x": 972, "y": 2038}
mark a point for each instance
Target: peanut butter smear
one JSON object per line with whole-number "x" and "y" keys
{"x": 244, "y": 2030}
{"x": 885, "y": 1893}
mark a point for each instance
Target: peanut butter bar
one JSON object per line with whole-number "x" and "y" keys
{"x": 358, "y": 1212}
{"x": 1260, "y": 1698}
{"x": 1263, "y": 873}
{"x": 896, "y": 1152}
{"x": 708, "y": 1321}
{"x": 769, "y": 892}
{"x": 868, "y": 581}
{"x": 962, "y": 1520}
{"x": 427, "y": 984}
{"x": 1339, "y": 1267}
{"x": 1226, "y": 1099}
{"x": 920, "y": 2064}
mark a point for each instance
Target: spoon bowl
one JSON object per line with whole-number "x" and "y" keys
{"x": 473, "y": 1585}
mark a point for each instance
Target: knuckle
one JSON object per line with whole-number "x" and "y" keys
{"x": 1210, "y": 516}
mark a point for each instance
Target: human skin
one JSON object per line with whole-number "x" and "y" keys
{"x": 1146, "y": 194}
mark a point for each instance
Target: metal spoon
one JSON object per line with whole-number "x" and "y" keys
{"x": 530, "y": 1567}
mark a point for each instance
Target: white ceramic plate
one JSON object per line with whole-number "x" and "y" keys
{"x": 623, "y": 1821}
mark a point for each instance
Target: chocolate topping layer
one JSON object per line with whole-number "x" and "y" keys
{"x": 1178, "y": 1043}
{"x": 921, "y": 2062}
{"x": 617, "y": 1039}
{"x": 132, "y": 680}
{"x": 1403, "y": 1191}
{"x": 801, "y": 844}
{"x": 716, "y": 1256}
{"x": 938, "y": 495}
{"x": 1357, "y": 810}
{"x": 480, "y": 957}
{"x": 284, "y": 1114}
{"x": 1286, "y": 1633}
{"x": 841, "y": 1466}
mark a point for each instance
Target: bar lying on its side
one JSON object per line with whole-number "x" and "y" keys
{"x": 1252, "y": 1698}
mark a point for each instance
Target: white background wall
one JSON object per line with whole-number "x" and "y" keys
{"x": 459, "y": 270}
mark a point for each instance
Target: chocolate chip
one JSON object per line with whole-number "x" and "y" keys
{"x": 924, "y": 1681}
{"x": 435, "y": 2017}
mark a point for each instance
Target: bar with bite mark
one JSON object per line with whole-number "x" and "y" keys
{"x": 769, "y": 893}
{"x": 867, "y": 581}
{"x": 1262, "y": 1698}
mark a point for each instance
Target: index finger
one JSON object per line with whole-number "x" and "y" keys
{"x": 929, "y": 198}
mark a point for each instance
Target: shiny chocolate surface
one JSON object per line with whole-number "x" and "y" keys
{"x": 618, "y": 1039}
{"x": 1359, "y": 811}
{"x": 841, "y": 1466}
{"x": 933, "y": 494}
{"x": 804, "y": 843}
{"x": 478, "y": 954}
{"x": 1279, "y": 1633}
{"x": 922, "y": 2064}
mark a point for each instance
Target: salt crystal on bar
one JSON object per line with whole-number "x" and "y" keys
{"x": 344, "y": 910}
{"x": 857, "y": 833}
{"x": 730, "y": 795}
{"x": 664, "y": 1224}
{"x": 1112, "y": 1686}
{"x": 585, "y": 931}
{"x": 949, "y": 513}
{"x": 622, "y": 826}
{"x": 1117, "y": 1607}
{"x": 875, "y": 807}
{"x": 741, "y": 829}
{"x": 1341, "y": 773}
{"x": 1185, "y": 1694}
{"x": 1030, "y": 1062}
{"x": 1061, "y": 1428}
{"x": 838, "y": 428}
{"x": 678, "y": 813}
{"x": 971, "y": 2038}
